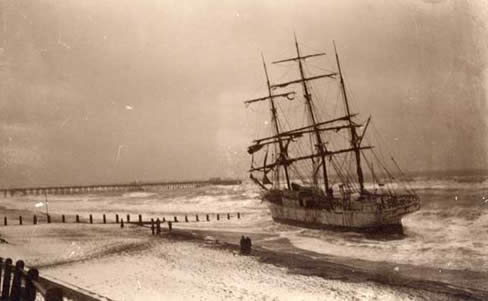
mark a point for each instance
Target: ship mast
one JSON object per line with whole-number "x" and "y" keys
{"x": 282, "y": 159}
{"x": 322, "y": 151}
{"x": 274, "y": 117}
{"x": 355, "y": 140}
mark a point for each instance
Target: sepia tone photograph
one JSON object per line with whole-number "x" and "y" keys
{"x": 243, "y": 150}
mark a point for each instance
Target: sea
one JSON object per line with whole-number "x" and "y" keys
{"x": 450, "y": 231}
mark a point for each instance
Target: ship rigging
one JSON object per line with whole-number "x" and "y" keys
{"x": 330, "y": 186}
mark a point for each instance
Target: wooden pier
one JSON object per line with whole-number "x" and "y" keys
{"x": 122, "y": 187}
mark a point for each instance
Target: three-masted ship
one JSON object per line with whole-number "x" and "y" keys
{"x": 316, "y": 182}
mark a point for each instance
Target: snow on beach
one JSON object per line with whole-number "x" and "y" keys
{"x": 129, "y": 264}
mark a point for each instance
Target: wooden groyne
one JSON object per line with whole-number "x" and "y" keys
{"x": 123, "y": 187}
{"x": 116, "y": 219}
{"x": 156, "y": 224}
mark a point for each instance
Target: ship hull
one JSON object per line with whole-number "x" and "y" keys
{"x": 376, "y": 214}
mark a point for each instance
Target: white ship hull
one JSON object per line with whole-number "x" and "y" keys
{"x": 378, "y": 213}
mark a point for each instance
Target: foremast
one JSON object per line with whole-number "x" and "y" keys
{"x": 282, "y": 155}
{"x": 355, "y": 139}
{"x": 274, "y": 116}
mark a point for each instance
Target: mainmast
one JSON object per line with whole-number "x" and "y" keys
{"x": 282, "y": 155}
{"x": 322, "y": 151}
{"x": 355, "y": 140}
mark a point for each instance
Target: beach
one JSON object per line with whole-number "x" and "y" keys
{"x": 200, "y": 260}
{"x": 130, "y": 264}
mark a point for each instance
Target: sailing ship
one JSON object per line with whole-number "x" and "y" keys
{"x": 314, "y": 184}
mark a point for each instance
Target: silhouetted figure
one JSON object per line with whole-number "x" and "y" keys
{"x": 246, "y": 245}
{"x": 243, "y": 242}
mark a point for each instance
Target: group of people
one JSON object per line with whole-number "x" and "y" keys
{"x": 246, "y": 245}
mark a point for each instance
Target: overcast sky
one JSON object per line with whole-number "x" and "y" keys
{"x": 105, "y": 91}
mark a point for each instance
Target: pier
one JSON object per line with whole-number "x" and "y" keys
{"x": 122, "y": 187}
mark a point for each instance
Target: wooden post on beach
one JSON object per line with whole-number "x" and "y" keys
{"x": 152, "y": 226}
{"x": 128, "y": 218}
{"x": 34, "y": 220}
{"x": 176, "y": 219}
{"x": 1, "y": 266}
{"x": 158, "y": 226}
{"x": 228, "y": 215}
{"x": 91, "y": 219}
{"x": 218, "y": 216}
{"x": 186, "y": 218}
{"x": 104, "y": 218}
{"x": 121, "y": 223}
{"x": 196, "y": 218}
{"x": 20, "y": 219}
{"x": 63, "y": 219}
{"x": 238, "y": 215}
{"x": 77, "y": 218}
{"x": 170, "y": 226}
{"x": 116, "y": 218}
{"x": 5, "y": 221}
{"x": 17, "y": 281}
{"x": 32, "y": 275}
{"x": 140, "y": 219}
{"x": 6, "y": 279}
{"x": 208, "y": 218}
{"x": 48, "y": 219}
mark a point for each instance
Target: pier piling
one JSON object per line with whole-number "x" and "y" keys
{"x": 20, "y": 219}
{"x": 34, "y": 220}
